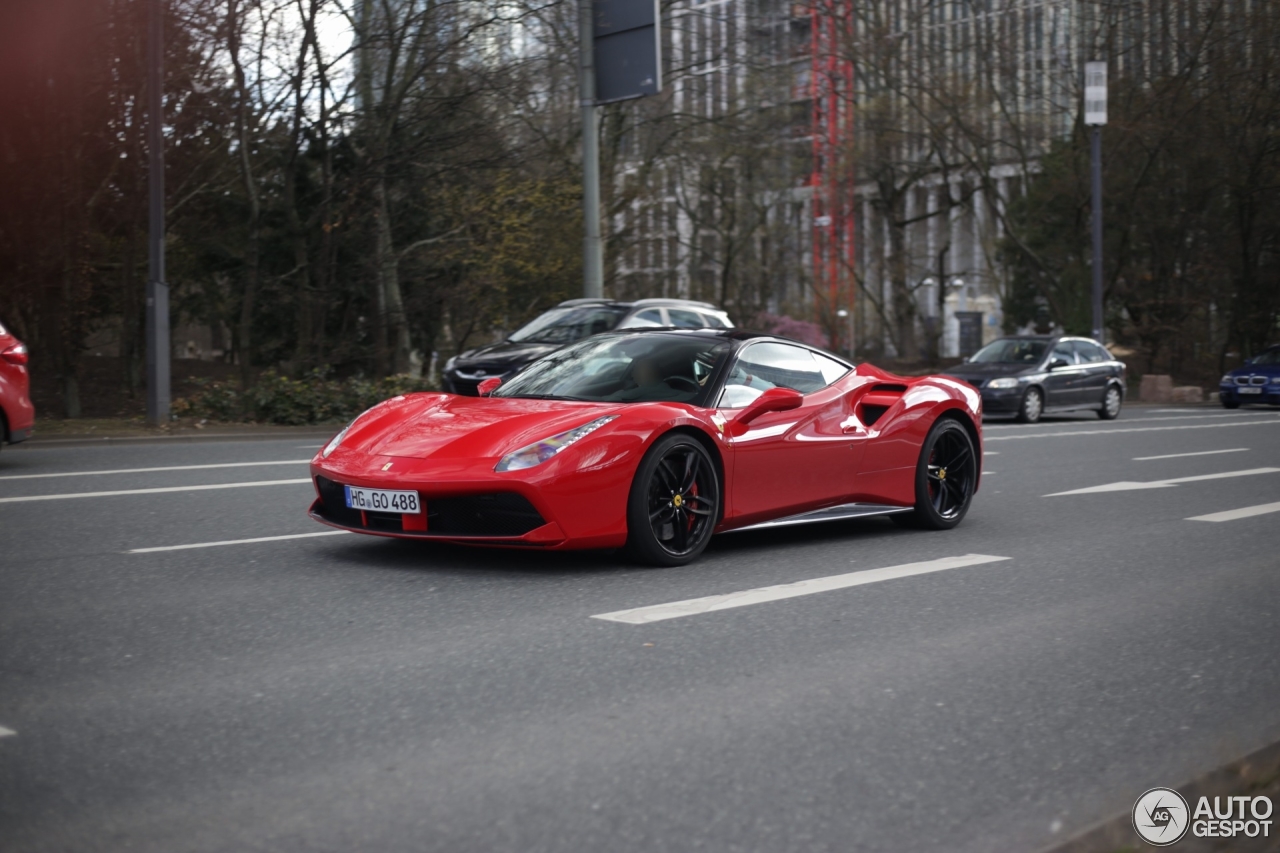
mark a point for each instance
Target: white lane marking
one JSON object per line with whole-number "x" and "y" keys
{"x": 1234, "y": 514}
{"x": 6, "y": 732}
{"x": 712, "y": 603}
{"x": 235, "y": 542}
{"x": 309, "y": 447}
{"x": 30, "y": 498}
{"x": 991, "y": 453}
{"x": 1126, "y": 486}
{"x": 1198, "y": 453}
{"x": 985, "y": 472}
{"x": 1126, "y": 420}
{"x": 152, "y": 470}
{"x": 1259, "y": 422}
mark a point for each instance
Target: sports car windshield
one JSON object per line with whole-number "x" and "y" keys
{"x": 641, "y": 368}
{"x": 566, "y": 325}
{"x": 1011, "y": 351}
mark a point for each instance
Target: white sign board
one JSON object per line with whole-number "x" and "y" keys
{"x": 1095, "y": 93}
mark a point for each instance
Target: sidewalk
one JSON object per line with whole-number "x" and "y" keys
{"x": 91, "y": 431}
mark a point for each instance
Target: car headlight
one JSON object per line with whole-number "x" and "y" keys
{"x": 1226, "y": 379}
{"x": 337, "y": 439}
{"x": 448, "y": 365}
{"x": 1003, "y": 382}
{"x": 1275, "y": 380}
{"x": 541, "y": 451}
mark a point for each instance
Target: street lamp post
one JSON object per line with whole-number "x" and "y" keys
{"x": 1095, "y": 116}
{"x": 157, "y": 289}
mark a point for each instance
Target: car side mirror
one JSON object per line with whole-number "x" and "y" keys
{"x": 485, "y": 388}
{"x": 773, "y": 400}
{"x": 1057, "y": 362}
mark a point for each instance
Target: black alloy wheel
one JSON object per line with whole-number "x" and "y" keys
{"x": 674, "y": 503}
{"x": 1032, "y": 406}
{"x": 946, "y": 476}
{"x": 1110, "y": 404}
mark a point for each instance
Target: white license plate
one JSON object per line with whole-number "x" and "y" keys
{"x": 383, "y": 500}
{"x": 1249, "y": 390}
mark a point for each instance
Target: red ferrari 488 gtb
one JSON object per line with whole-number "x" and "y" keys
{"x": 654, "y": 440}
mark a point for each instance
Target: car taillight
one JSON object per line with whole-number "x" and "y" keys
{"x": 16, "y": 354}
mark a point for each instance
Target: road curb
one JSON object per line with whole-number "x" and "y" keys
{"x": 102, "y": 440}
{"x": 1257, "y": 773}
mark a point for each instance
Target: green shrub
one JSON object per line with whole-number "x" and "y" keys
{"x": 277, "y": 399}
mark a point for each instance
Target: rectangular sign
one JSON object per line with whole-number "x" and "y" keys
{"x": 628, "y": 49}
{"x": 1095, "y": 93}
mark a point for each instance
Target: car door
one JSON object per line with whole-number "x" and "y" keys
{"x": 788, "y": 462}
{"x": 1061, "y": 384}
{"x": 1096, "y": 369}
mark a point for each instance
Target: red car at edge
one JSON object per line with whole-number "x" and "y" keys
{"x": 654, "y": 440}
{"x": 17, "y": 415}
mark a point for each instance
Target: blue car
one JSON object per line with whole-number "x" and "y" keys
{"x": 1258, "y": 381}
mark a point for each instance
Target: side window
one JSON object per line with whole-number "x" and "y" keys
{"x": 1091, "y": 353}
{"x": 830, "y": 368}
{"x": 1063, "y": 351}
{"x": 762, "y": 366}
{"x": 713, "y": 322}
{"x": 649, "y": 317}
{"x": 683, "y": 319}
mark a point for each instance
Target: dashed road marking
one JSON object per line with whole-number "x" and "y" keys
{"x": 1256, "y": 422}
{"x": 712, "y": 603}
{"x": 6, "y": 732}
{"x": 1236, "y": 514}
{"x": 235, "y": 542}
{"x": 1126, "y": 486}
{"x": 1197, "y": 453}
{"x": 151, "y": 470}
{"x": 166, "y": 489}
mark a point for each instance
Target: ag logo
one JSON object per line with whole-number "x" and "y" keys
{"x": 1161, "y": 817}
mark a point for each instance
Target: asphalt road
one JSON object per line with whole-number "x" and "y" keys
{"x": 343, "y": 693}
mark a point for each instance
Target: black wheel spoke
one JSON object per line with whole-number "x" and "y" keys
{"x": 690, "y": 471}
{"x": 667, "y": 476}
{"x": 681, "y": 532}
{"x": 662, "y": 514}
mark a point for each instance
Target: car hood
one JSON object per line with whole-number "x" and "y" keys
{"x": 1256, "y": 370}
{"x": 981, "y": 371}
{"x": 502, "y": 355}
{"x": 446, "y": 426}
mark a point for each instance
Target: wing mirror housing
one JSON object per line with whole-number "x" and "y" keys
{"x": 773, "y": 400}
{"x": 1057, "y": 363}
{"x": 485, "y": 388}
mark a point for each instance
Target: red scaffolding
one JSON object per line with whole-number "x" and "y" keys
{"x": 831, "y": 182}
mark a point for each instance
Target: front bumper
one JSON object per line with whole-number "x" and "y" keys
{"x": 1269, "y": 394}
{"x": 575, "y": 500}
{"x": 1002, "y": 401}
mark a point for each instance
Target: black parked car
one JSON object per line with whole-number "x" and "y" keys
{"x": 1028, "y": 376}
{"x": 569, "y": 322}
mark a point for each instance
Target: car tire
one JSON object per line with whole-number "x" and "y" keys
{"x": 1032, "y": 406}
{"x": 1230, "y": 404}
{"x": 945, "y": 479}
{"x": 674, "y": 504}
{"x": 1112, "y": 400}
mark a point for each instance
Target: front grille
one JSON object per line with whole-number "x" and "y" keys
{"x": 498, "y": 515}
{"x": 1257, "y": 380}
{"x": 466, "y": 387}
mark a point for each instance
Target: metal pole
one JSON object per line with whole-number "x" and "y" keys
{"x": 592, "y": 251}
{"x": 1097, "y": 234}
{"x": 157, "y": 290}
